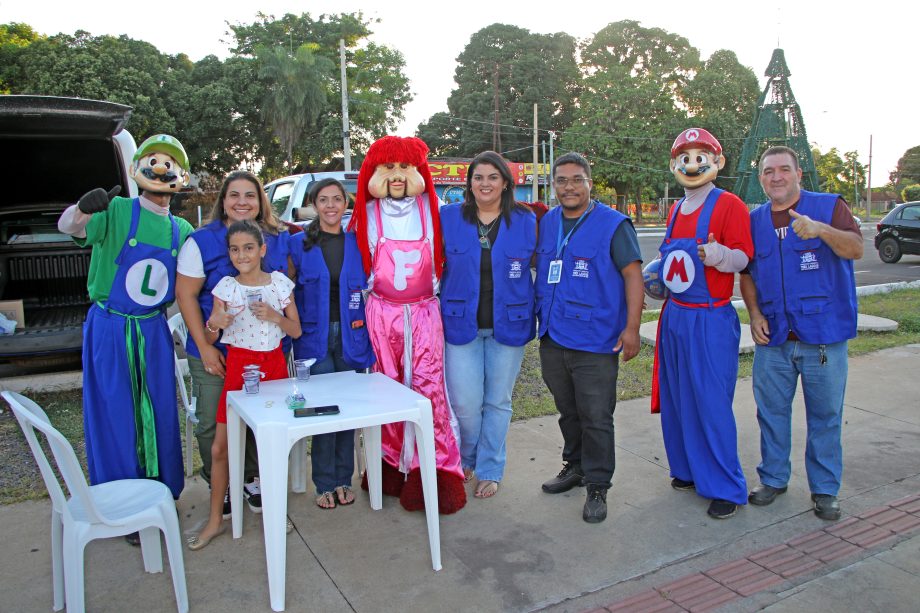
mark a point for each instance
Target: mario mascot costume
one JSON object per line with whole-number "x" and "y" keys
{"x": 707, "y": 241}
{"x": 129, "y": 389}
{"x": 398, "y": 229}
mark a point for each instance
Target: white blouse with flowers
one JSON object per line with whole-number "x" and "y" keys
{"x": 246, "y": 331}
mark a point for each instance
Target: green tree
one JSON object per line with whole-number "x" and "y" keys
{"x": 502, "y": 72}
{"x": 907, "y": 172}
{"x": 840, "y": 175}
{"x": 631, "y": 105}
{"x": 442, "y": 135}
{"x": 911, "y": 193}
{"x": 14, "y": 38}
{"x": 722, "y": 98}
{"x": 378, "y": 89}
{"x": 118, "y": 69}
{"x": 296, "y": 94}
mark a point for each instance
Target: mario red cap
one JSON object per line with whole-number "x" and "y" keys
{"x": 695, "y": 137}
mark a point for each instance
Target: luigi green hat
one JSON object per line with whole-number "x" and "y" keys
{"x": 163, "y": 143}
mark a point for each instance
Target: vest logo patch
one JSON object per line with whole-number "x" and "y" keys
{"x": 402, "y": 267}
{"x": 679, "y": 271}
{"x": 809, "y": 261}
{"x": 516, "y": 269}
{"x": 354, "y": 301}
{"x": 581, "y": 271}
{"x": 147, "y": 282}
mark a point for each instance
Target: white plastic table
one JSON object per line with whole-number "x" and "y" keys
{"x": 365, "y": 401}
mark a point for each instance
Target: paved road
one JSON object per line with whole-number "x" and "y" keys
{"x": 870, "y": 270}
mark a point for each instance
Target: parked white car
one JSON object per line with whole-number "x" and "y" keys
{"x": 288, "y": 195}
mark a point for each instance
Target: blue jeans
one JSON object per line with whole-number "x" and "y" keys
{"x": 332, "y": 455}
{"x": 823, "y": 369}
{"x": 480, "y": 377}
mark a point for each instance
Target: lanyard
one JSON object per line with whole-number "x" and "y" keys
{"x": 560, "y": 242}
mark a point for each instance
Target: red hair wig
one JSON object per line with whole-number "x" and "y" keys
{"x": 395, "y": 150}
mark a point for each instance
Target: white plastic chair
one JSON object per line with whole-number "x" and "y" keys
{"x": 106, "y": 510}
{"x": 177, "y": 328}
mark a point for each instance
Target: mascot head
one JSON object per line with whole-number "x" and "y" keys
{"x": 161, "y": 165}
{"x": 395, "y": 167}
{"x": 696, "y": 158}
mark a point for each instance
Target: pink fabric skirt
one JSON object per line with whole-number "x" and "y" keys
{"x": 408, "y": 340}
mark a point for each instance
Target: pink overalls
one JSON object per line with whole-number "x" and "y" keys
{"x": 404, "y": 322}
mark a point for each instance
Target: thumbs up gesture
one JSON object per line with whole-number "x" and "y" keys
{"x": 220, "y": 318}
{"x": 804, "y": 226}
{"x": 97, "y": 200}
{"x": 710, "y": 249}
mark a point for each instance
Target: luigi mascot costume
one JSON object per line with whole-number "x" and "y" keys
{"x": 129, "y": 393}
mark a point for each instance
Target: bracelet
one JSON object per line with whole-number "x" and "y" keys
{"x": 207, "y": 326}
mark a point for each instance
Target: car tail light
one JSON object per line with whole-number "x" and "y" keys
{"x": 878, "y": 227}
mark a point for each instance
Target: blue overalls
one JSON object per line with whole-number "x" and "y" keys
{"x": 698, "y": 366}
{"x": 130, "y": 415}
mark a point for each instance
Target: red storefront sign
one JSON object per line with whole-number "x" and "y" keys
{"x": 454, "y": 173}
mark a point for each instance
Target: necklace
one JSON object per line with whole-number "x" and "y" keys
{"x": 484, "y": 232}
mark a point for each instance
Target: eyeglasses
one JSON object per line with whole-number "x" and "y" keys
{"x": 575, "y": 181}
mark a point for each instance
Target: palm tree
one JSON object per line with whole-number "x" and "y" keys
{"x": 297, "y": 92}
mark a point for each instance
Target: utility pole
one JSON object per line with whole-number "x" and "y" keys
{"x": 536, "y": 159}
{"x": 869, "y": 183}
{"x": 552, "y": 188}
{"x": 346, "y": 135}
{"x": 543, "y": 163}
{"x": 496, "y": 130}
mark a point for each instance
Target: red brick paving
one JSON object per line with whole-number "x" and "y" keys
{"x": 911, "y": 504}
{"x": 650, "y": 601}
{"x": 698, "y": 592}
{"x": 744, "y": 576}
{"x": 808, "y": 553}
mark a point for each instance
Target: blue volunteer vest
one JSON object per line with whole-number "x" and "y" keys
{"x": 312, "y": 297}
{"x": 212, "y": 243}
{"x": 802, "y": 285}
{"x": 513, "y": 293}
{"x": 586, "y": 310}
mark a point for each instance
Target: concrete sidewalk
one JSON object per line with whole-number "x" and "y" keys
{"x": 524, "y": 550}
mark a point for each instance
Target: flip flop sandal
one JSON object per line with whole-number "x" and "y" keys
{"x": 341, "y": 495}
{"x": 468, "y": 475}
{"x": 325, "y": 501}
{"x": 486, "y": 489}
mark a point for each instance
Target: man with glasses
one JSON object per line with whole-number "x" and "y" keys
{"x": 801, "y": 295}
{"x": 589, "y": 301}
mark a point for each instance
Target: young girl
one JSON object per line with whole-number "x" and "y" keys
{"x": 255, "y": 310}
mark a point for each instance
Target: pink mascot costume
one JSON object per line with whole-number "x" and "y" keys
{"x": 398, "y": 229}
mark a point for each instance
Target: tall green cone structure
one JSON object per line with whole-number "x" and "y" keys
{"x": 777, "y": 121}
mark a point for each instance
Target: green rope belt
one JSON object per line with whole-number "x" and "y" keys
{"x": 144, "y": 425}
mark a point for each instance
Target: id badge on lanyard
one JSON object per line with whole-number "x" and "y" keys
{"x": 555, "y": 266}
{"x": 555, "y": 272}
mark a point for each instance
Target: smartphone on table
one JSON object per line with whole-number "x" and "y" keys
{"x": 331, "y": 409}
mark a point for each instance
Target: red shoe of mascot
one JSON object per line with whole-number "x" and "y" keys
{"x": 398, "y": 228}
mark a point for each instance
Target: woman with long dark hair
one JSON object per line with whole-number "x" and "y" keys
{"x": 487, "y": 306}
{"x": 203, "y": 262}
{"x": 329, "y": 294}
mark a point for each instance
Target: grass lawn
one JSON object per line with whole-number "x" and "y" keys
{"x": 20, "y": 479}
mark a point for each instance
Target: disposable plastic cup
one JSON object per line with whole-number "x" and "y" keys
{"x": 251, "y": 380}
{"x": 302, "y": 369}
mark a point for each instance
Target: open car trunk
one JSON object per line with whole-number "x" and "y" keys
{"x": 54, "y": 150}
